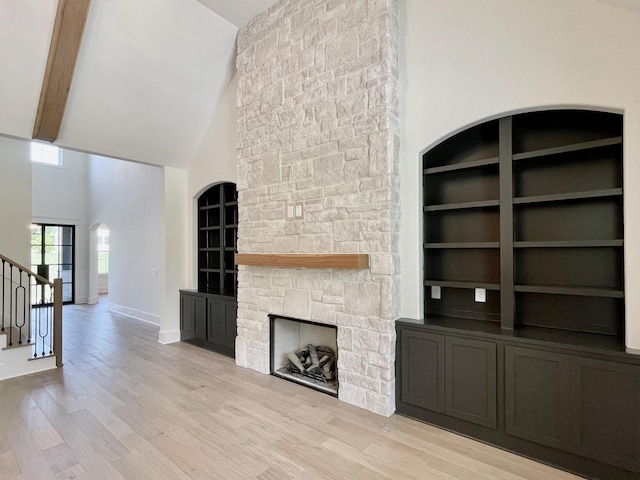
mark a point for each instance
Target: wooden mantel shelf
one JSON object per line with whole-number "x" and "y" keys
{"x": 357, "y": 261}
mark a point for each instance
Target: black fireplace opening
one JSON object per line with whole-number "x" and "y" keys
{"x": 304, "y": 352}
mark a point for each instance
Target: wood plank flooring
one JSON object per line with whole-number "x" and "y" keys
{"x": 126, "y": 407}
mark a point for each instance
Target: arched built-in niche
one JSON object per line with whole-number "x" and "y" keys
{"x": 208, "y": 315}
{"x": 522, "y": 341}
{"x": 217, "y": 239}
{"x": 523, "y": 223}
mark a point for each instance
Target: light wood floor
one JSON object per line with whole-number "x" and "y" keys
{"x": 125, "y": 406}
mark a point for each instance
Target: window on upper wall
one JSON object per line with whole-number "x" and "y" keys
{"x": 103, "y": 250}
{"x": 45, "y": 153}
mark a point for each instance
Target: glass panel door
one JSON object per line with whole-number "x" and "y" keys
{"x": 52, "y": 254}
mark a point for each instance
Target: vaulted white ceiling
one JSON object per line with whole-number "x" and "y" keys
{"x": 238, "y": 12}
{"x": 148, "y": 78}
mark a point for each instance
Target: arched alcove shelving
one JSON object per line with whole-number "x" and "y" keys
{"x": 208, "y": 315}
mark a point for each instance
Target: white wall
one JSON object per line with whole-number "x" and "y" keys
{"x": 215, "y": 161}
{"x": 470, "y": 60}
{"x": 60, "y": 197}
{"x": 15, "y": 200}
{"x": 175, "y": 252}
{"x": 128, "y": 197}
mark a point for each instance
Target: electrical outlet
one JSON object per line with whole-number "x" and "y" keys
{"x": 436, "y": 292}
{"x": 481, "y": 295}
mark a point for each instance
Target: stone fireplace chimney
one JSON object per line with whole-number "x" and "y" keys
{"x": 318, "y": 128}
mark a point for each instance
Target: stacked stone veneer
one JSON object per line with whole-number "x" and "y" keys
{"x": 318, "y": 124}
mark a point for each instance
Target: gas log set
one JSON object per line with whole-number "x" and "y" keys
{"x": 317, "y": 363}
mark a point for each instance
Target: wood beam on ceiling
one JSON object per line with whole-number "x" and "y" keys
{"x": 71, "y": 18}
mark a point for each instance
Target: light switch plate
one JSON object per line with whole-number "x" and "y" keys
{"x": 481, "y": 295}
{"x": 299, "y": 210}
{"x": 436, "y": 292}
{"x": 290, "y": 211}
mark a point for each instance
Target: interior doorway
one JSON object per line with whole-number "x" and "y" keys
{"x": 53, "y": 253}
{"x": 103, "y": 259}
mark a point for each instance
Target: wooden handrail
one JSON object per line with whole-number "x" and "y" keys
{"x": 39, "y": 278}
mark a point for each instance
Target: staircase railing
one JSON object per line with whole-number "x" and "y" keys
{"x": 31, "y": 310}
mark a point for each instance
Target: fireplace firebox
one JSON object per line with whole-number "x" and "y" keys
{"x": 304, "y": 352}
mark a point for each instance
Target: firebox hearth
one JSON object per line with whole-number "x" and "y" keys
{"x": 304, "y": 352}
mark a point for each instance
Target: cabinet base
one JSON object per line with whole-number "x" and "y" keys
{"x": 221, "y": 349}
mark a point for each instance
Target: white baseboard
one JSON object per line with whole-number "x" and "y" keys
{"x": 170, "y": 336}
{"x": 133, "y": 313}
{"x": 93, "y": 300}
{"x": 634, "y": 351}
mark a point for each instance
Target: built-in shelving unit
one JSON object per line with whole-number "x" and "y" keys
{"x": 217, "y": 234}
{"x": 208, "y": 314}
{"x": 528, "y": 207}
{"x": 522, "y": 341}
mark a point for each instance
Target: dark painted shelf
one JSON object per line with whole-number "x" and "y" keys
{"x": 462, "y": 206}
{"x": 209, "y": 207}
{"x": 470, "y": 285}
{"x": 575, "y": 147}
{"x": 461, "y": 166}
{"x": 568, "y": 290}
{"x": 209, "y": 270}
{"x": 570, "y": 244}
{"x": 479, "y": 245}
{"x": 610, "y": 192}
{"x": 205, "y": 229}
{"x": 571, "y": 205}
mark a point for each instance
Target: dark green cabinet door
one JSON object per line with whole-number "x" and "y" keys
{"x": 193, "y": 310}
{"x": 537, "y": 396}
{"x": 605, "y": 405}
{"x": 471, "y": 381}
{"x": 422, "y": 369}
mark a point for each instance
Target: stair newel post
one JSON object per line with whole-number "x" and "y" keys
{"x": 57, "y": 320}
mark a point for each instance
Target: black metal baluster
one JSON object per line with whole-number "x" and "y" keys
{"x": 28, "y": 308}
{"x": 20, "y": 289}
{"x": 43, "y": 327}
